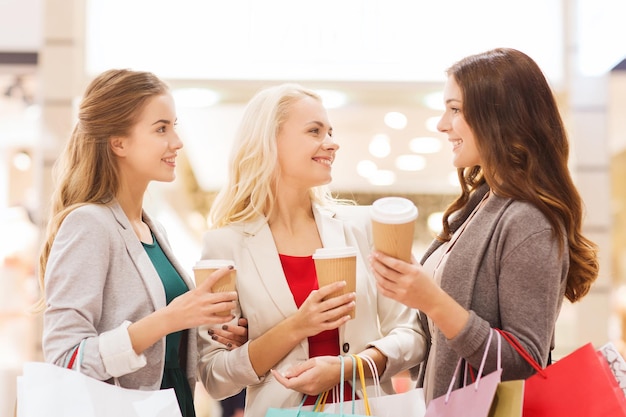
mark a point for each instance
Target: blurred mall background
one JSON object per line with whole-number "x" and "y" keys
{"x": 380, "y": 66}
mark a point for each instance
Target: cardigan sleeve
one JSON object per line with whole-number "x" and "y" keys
{"x": 531, "y": 283}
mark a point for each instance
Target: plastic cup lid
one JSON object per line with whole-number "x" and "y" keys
{"x": 393, "y": 210}
{"x": 331, "y": 253}
{"x": 213, "y": 263}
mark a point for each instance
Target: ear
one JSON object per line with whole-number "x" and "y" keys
{"x": 118, "y": 145}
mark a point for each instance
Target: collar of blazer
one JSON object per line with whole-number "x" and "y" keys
{"x": 138, "y": 254}
{"x": 260, "y": 244}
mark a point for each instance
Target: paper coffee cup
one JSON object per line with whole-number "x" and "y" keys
{"x": 336, "y": 264}
{"x": 393, "y": 225}
{"x": 205, "y": 267}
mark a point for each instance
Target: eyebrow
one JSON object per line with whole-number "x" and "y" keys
{"x": 320, "y": 124}
{"x": 167, "y": 122}
{"x": 453, "y": 99}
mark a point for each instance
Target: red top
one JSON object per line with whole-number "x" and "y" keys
{"x": 302, "y": 279}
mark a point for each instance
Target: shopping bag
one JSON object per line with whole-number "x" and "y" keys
{"x": 616, "y": 362}
{"x": 49, "y": 390}
{"x": 406, "y": 404}
{"x": 318, "y": 410}
{"x": 509, "y": 399}
{"x": 580, "y": 384}
{"x": 472, "y": 400}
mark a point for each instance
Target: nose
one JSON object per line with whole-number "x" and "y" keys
{"x": 329, "y": 144}
{"x": 176, "y": 142}
{"x": 442, "y": 124}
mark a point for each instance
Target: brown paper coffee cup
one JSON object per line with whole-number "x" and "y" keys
{"x": 336, "y": 264}
{"x": 393, "y": 226}
{"x": 205, "y": 267}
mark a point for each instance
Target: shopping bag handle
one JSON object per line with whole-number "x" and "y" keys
{"x": 359, "y": 364}
{"x": 480, "y": 370}
{"x": 374, "y": 370}
{"x": 522, "y": 352}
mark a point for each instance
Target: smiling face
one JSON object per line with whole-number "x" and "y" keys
{"x": 148, "y": 153}
{"x": 460, "y": 135}
{"x": 306, "y": 149}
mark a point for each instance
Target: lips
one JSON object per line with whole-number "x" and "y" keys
{"x": 455, "y": 143}
{"x": 324, "y": 161}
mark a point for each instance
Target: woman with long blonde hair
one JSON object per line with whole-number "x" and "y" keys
{"x": 272, "y": 215}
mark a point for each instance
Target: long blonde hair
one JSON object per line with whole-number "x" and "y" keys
{"x": 253, "y": 164}
{"x": 87, "y": 170}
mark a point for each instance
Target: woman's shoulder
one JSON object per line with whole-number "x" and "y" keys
{"x": 91, "y": 213}
{"x": 350, "y": 212}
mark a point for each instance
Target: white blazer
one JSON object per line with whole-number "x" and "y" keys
{"x": 265, "y": 300}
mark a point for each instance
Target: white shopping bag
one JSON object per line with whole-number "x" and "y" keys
{"x": 52, "y": 391}
{"x": 616, "y": 363}
{"x": 406, "y": 404}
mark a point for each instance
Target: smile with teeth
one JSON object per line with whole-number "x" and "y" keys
{"x": 169, "y": 160}
{"x": 326, "y": 162}
{"x": 456, "y": 143}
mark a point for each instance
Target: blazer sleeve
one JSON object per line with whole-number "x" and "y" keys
{"x": 74, "y": 283}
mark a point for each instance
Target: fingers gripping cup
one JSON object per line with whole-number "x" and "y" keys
{"x": 205, "y": 267}
{"x": 393, "y": 225}
{"x": 336, "y": 264}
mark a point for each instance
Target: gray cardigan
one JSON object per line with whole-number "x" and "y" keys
{"x": 508, "y": 271}
{"x": 98, "y": 279}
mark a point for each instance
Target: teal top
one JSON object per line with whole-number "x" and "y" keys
{"x": 173, "y": 375}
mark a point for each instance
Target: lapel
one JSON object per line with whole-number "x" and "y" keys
{"x": 139, "y": 257}
{"x": 165, "y": 246}
{"x": 469, "y": 251}
{"x": 330, "y": 228}
{"x": 262, "y": 250}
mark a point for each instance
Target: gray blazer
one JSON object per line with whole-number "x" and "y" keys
{"x": 266, "y": 300}
{"x": 507, "y": 270}
{"x": 98, "y": 280}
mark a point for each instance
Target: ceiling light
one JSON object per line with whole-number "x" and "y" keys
{"x": 425, "y": 144}
{"x": 395, "y": 120}
{"x": 434, "y": 101}
{"x": 434, "y": 221}
{"x": 383, "y": 177}
{"x": 410, "y": 162}
{"x": 331, "y": 99}
{"x": 366, "y": 168}
{"x": 195, "y": 97}
{"x": 22, "y": 161}
{"x": 380, "y": 146}
{"x": 431, "y": 123}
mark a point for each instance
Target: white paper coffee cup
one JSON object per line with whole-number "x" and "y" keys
{"x": 393, "y": 225}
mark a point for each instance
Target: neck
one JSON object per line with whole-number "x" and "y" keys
{"x": 291, "y": 210}
{"x": 132, "y": 204}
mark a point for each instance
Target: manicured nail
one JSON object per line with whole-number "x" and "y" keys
{"x": 231, "y": 267}
{"x": 214, "y": 337}
{"x": 211, "y": 331}
{"x": 229, "y": 345}
{"x": 225, "y": 327}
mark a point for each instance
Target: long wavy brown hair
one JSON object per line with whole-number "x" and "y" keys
{"x": 86, "y": 172}
{"x": 510, "y": 108}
